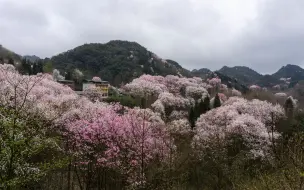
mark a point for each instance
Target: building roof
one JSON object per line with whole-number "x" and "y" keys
{"x": 66, "y": 81}
{"x": 90, "y": 81}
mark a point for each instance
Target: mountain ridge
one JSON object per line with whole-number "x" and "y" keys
{"x": 121, "y": 61}
{"x": 116, "y": 61}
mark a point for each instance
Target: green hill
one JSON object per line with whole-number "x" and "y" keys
{"x": 116, "y": 61}
{"x": 243, "y": 74}
{"x": 6, "y": 54}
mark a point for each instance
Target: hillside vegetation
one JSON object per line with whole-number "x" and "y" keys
{"x": 116, "y": 61}
{"x": 243, "y": 74}
{"x": 7, "y": 54}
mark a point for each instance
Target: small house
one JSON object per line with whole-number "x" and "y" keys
{"x": 69, "y": 83}
{"x": 101, "y": 86}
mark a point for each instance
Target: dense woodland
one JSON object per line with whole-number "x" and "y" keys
{"x": 155, "y": 132}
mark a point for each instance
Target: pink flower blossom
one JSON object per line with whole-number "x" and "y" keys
{"x": 254, "y": 87}
{"x": 250, "y": 119}
{"x": 96, "y": 79}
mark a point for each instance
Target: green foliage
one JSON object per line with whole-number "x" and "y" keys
{"x": 6, "y": 54}
{"x": 30, "y": 68}
{"x": 243, "y": 74}
{"x": 24, "y": 149}
{"x": 192, "y": 117}
{"x": 268, "y": 81}
{"x": 11, "y": 61}
{"x": 116, "y": 61}
{"x": 204, "y": 106}
{"x": 48, "y": 67}
{"x": 289, "y": 107}
{"x": 202, "y": 73}
{"x": 37, "y": 67}
{"x": 231, "y": 82}
{"x": 200, "y": 107}
{"x": 68, "y": 75}
{"x": 217, "y": 101}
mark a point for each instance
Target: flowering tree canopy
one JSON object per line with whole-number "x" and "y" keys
{"x": 252, "y": 120}
{"x": 128, "y": 139}
{"x": 215, "y": 81}
{"x": 96, "y": 79}
{"x": 255, "y": 87}
{"x": 280, "y": 95}
{"x": 276, "y": 87}
{"x": 235, "y": 92}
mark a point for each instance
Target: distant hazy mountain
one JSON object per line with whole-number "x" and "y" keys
{"x": 247, "y": 76}
{"x": 116, "y": 61}
{"x": 32, "y": 58}
{"x": 268, "y": 81}
{"x": 203, "y": 73}
{"x": 287, "y": 71}
{"x": 241, "y": 73}
{"x": 294, "y": 72}
{"x": 231, "y": 82}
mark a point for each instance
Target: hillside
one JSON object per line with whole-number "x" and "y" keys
{"x": 231, "y": 82}
{"x": 116, "y": 61}
{"x": 294, "y": 72}
{"x": 6, "y": 54}
{"x": 242, "y": 74}
{"x": 268, "y": 81}
{"x": 32, "y": 58}
{"x": 203, "y": 73}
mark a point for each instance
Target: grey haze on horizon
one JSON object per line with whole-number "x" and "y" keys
{"x": 262, "y": 34}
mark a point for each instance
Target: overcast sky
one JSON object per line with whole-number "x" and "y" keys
{"x": 261, "y": 34}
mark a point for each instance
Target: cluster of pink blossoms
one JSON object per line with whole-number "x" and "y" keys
{"x": 109, "y": 135}
{"x": 215, "y": 81}
{"x": 96, "y": 79}
{"x": 235, "y": 92}
{"x": 127, "y": 139}
{"x": 254, "y": 87}
{"x": 253, "y": 120}
{"x": 34, "y": 94}
{"x": 148, "y": 85}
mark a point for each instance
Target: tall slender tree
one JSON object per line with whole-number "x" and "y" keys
{"x": 289, "y": 107}
{"x": 217, "y": 101}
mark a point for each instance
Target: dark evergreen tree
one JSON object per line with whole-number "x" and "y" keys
{"x": 68, "y": 75}
{"x": 196, "y": 108}
{"x": 11, "y": 61}
{"x": 192, "y": 117}
{"x": 40, "y": 66}
{"x": 22, "y": 66}
{"x": 289, "y": 107}
{"x": 29, "y": 67}
{"x": 204, "y": 105}
{"x": 35, "y": 69}
{"x": 217, "y": 101}
{"x": 1, "y": 60}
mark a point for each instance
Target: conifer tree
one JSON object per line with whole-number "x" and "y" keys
{"x": 217, "y": 101}
{"x": 289, "y": 107}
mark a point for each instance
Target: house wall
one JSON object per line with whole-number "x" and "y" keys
{"x": 103, "y": 88}
{"x": 87, "y": 86}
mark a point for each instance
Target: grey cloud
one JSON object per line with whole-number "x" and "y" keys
{"x": 195, "y": 36}
{"x": 274, "y": 39}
